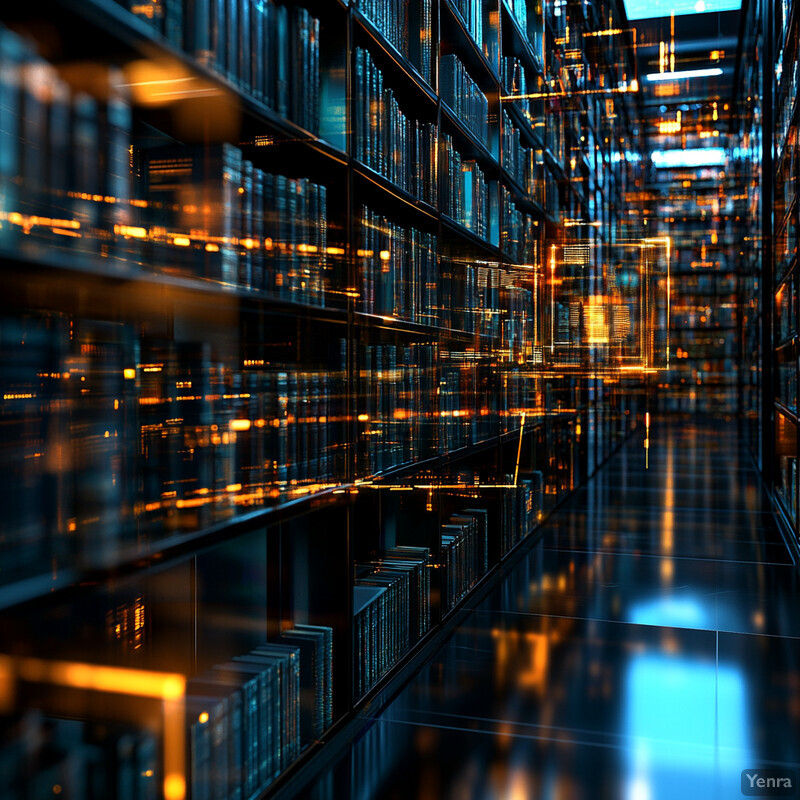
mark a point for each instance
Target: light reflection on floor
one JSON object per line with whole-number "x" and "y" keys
{"x": 647, "y": 648}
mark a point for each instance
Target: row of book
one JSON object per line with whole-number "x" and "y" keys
{"x": 64, "y": 153}
{"x": 112, "y": 436}
{"x": 466, "y": 195}
{"x": 471, "y": 12}
{"x": 395, "y": 145}
{"x": 397, "y": 423}
{"x": 518, "y": 323}
{"x": 464, "y": 554}
{"x": 271, "y": 51}
{"x": 527, "y": 90}
{"x": 212, "y": 214}
{"x": 464, "y": 96}
{"x": 66, "y": 181}
{"x": 392, "y": 20}
{"x": 391, "y": 611}
{"x": 406, "y": 26}
{"x": 249, "y": 717}
{"x": 519, "y": 235}
{"x": 522, "y": 508}
{"x": 519, "y": 10}
{"x": 398, "y": 270}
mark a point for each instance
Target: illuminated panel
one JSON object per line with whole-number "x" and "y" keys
{"x": 648, "y": 9}
{"x": 710, "y": 72}
{"x": 686, "y": 727}
{"x": 692, "y": 157}
{"x": 165, "y": 686}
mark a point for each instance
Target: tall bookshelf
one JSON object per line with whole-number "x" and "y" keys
{"x": 273, "y": 395}
{"x": 767, "y": 78}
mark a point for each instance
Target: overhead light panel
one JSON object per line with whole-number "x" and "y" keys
{"x": 710, "y": 72}
{"x": 691, "y": 157}
{"x": 649, "y": 9}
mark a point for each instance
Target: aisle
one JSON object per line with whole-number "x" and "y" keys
{"x": 647, "y": 648}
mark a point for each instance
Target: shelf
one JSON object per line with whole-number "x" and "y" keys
{"x": 472, "y": 240}
{"x": 786, "y": 412}
{"x": 467, "y": 50}
{"x": 117, "y": 28}
{"x": 85, "y": 271}
{"x": 417, "y": 329}
{"x": 424, "y": 214}
{"x": 137, "y": 558}
{"x": 521, "y": 47}
{"x": 467, "y": 143}
{"x": 522, "y": 124}
{"x": 390, "y": 57}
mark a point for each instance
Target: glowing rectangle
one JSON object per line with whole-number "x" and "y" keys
{"x": 692, "y": 157}
{"x": 648, "y": 9}
{"x": 710, "y": 72}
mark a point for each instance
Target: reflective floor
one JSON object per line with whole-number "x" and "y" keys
{"x": 647, "y": 648}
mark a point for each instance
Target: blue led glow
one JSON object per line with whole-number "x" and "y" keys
{"x": 673, "y": 612}
{"x": 691, "y": 157}
{"x": 648, "y": 9}
{"x": 687, "y": 724}
{"x": 683, "y": 75}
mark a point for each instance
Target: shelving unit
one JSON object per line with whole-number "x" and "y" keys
{"x": 211, "y": 434}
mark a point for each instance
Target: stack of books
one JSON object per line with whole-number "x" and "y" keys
{"x": 244, "y": 722}
{"x": 398, "y": 270}
{"x": 396, "y": 423}
{"x": 518, "y": 235}
{"x": 387, "y": 140}
{"x": 381, "y": 623}
{"x": 158, "y": 435}
{"x": 471, "y": 12}
{"x": 513, "y": 152}
{"x": 392, "y": 611}
{"x": 211, "y": 214}
{"x": 464, "y": 555}
{"x": 316, "y": 688}
{"x": 390, "y": 17}
{"x": 271, "y": 51}
{"x": 518, "y": 306}
{"x": 466, "y": 196}
{"x": 519, "y": 10}
{"x": 462, "y": 94}
{"x": 65, "y": 178}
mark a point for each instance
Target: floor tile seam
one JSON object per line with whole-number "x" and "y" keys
{"x": 623, "y": 745}
{"x": 479, "y": 610}
{"x": 679, "y": 509}
{"x": 709, "y": 560}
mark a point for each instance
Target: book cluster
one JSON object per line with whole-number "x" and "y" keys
{"x": 398, "y": 270}
{"x": 387, "y": 140}
{"x": 269, "y": 50}
{"x": 249, "y": 717}
{"x": 458, "y": 89}
{"x": 391, "y": 611}
{"x": 466, "y": 196}
{"x": 212, "y": 214}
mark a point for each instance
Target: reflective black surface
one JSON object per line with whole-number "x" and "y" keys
{"x": 646, "y": 648}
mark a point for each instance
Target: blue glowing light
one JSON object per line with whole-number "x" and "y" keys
{"x": 710, "y": 72}
{"x": 692, "y": 157}
{"x": 648, "y": 9}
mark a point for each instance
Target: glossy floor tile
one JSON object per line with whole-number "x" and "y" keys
{"x": 647, "y": 647}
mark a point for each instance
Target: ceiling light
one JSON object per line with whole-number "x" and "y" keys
{"x": 687, "y": 73}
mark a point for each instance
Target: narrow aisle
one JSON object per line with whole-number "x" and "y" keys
{"x": 646, "y": 648}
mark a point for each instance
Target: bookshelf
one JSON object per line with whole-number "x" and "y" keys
{"x": 766, "y": 162}
{"x": 272, "y": 405}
